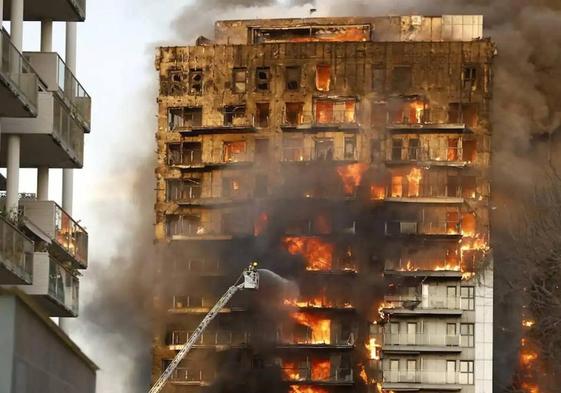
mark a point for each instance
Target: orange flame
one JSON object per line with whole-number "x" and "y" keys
{"x": 321, "y": 369}
{"x": 307, "y": 389}
{"x": 351, "y": 175}
{"x": 362, "y": 374}
{"x": 377, "y": 193}
{"x": 373, "y": 349}
{"x": 414, "y": 178}
{"x": 318, "y": 254}
{"x": 320, "y": 327}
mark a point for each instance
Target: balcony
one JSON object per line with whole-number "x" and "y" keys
{"x": 59, "y": 79}
{"x": 54, "y": 287}
{"x": 236, "y": 125}
{"x": 309, "y": 340}
{"x": 308, "y": 375}
{"x": 426, "y": 380}
{"x": 428, "y": 128}
{"x": 216, "y": 340}
{"x": 422, "y": 305}
{"x": 53, "y": 139}
{"x": 451, "y": 156}
{"x": 192, "y": 376}
{"x": 69, "y": 241}
{"x": 55, "y": 10}
{"x": 336, "y": 120}
{"x": 421, "y": 342}
{"x": 198, "y": 305}
{"x": 423, "y": 268}
{"x": 447, "y": 229}
{"x": 18, "y": 82}
{"x": 16, "y": 255}
{"x": 318, "y": 155}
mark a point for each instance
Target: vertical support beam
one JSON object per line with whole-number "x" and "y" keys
{"x": 16, "y": 23}
{"x": 46, "y": 36}
{"x": 43, "y": 183}
{"x": 12, "y": 184}
{"x": 68, "y": 174}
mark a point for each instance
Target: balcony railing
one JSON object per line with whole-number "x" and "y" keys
{"x": 16, "y": 252}
{"x": 192, "y": 375}
{"x": 63, "y": 286}
{"x": 65, "y": 232}
{"x": 328, "y": 119}
{"x": 309, "y": 338}
{"x": 421, "y": 377}
{"x": 18, "y": 73}
{"x": 307, "y": 374}
{"x": 444, "y": 155}
{"x": 218, "y": 338}
{"x": 301, "y": 154}
{"x": 74, "y": 93}
{"x": 441, "y": 228}
{"x": 434, "y": 263}
{"x": 422, "y": 339}
{"x": 422, "y": 303}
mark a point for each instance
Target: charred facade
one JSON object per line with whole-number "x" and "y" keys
{"x": 351, "y": 156}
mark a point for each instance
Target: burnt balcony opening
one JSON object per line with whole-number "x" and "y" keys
{"x": 323, "y": 77}
{"x": 188, "y": 153}
{"x": 293, "y": 77}
{"x": 184, "y": 117}
{"x": 186, "y": 189}
{"x": 234, "y": 151}
{"x": 262, "y": 79}
{"x": 195, "y": 81}
{"x": 464, "y": 112}
{"x": 239, "y": 80}
{"x": 262, "y": 114}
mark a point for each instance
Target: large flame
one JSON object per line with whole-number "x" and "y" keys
{"x": 307, "y": 389}
{"x": 373, "y": 349}
{"x": 351, "y": 175}
{"x": 320, "y": 370}
{"x": 414, "y": 179}
{"x": 318, "y": 253}
{"x": 320, "y": 327}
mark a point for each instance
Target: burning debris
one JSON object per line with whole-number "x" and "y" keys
{"x": 317, "y": 252}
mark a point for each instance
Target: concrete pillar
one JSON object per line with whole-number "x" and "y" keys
{"x": 16, "y": 23}
{"x": 12, "y": 183}
{"x": 46, "y": 36}
{"x": 43, "y": 183}
{"x": 68, "y": 174}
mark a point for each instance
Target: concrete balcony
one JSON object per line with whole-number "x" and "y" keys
{"x": 16, "y": 255}
{"x": 307, "y": 376}
{"x": 421, "y": 342}
{"x": 58, "y": 78}
{"x": 55, "y": 10}
{"x": 427, "y": 128}
{"x": 214, "y": 340}
{"x": 18, "y": 82}
{"x": 54, "y": 287}
{"x": 192, "y": 377}
{"x": 413, "y": 380}
{"x": 439, "y": 229}
{"x": 238, "y": 125}
{"x": 69, "y": 241}
{"x": 336, "y": 120}
{"x": 309, "y": 340}
{"x": 54, "y": 139}
{"x": 407, "y": 305}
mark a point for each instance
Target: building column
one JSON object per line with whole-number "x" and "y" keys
{"x": 46, "y": 35}
{"x": 43, "y": 183}
{"x": 68, "y": 174}
{"x": 14, "y": 141}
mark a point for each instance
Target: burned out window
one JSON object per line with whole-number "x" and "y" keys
{"x": 453, "y": 149}
{"x": 176, "y": 83}
{"x": 378, "y": 79}
{"x": 262, "y": 114}
{"x": 186, "y": 225}
{"x": 402, "y": 78}
{"x": 414, "y": 149}
{"x": 350, "y": 147}
{"x": 261, "y": 150}
{"x": 463, "y": 113}
{"x": 185, "y": 189}
{"x": 469, "y": 150}
{"x": 335, "y": 111}
{"x": 192, "y": 153}
{"x": 239, "y": 80}
{"x": 452, "y": 222}
{"x": 469, "y": 186}
{"x": 231, "y": 187}
{"x": 293, "y": 76}
{"x": 294, "y": 113}
{"x": 184, "y": 117}
{"x": 234, "y": 151}
{"x": 397, "y": 147}
{"x": 293, "y": 149}
{"x": 324, "y": 149}
{"x": 452, "y": 186}
{"x": 234, "y": 115}
{"x": 262, "y": 78}
{"x": 195, "y": 81}
{"x": 469, "y": 77}
{"x": 323, "y": 77}
{"x": 174, "y": 154}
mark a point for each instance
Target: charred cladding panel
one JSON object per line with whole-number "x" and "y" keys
{"x": 356, "y": 169}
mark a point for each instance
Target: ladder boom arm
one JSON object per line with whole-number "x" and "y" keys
{"x": 194, "y": 337}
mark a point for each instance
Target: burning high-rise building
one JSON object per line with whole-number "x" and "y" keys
{"x": 351, "y": 156}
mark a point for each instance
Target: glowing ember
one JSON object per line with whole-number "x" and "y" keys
{"x": 528, "y": 323}
{"x": 321, "y": 369}
{"x": 290, "y": 371}
{"x": 318, "y": 254}
{"x": 306, "y": 389}
{"x": 362, "y": 374}
{"x": 261, "y": 224}
{"x": 377, "y": 193}
{"x": 373, "y": 349}
{"x": 351, "y": 175}
{"x": 414, "y": 178}
{"x": 320, "y": 327}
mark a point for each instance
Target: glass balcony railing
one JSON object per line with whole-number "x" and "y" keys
{"x": 63, "y": 287}
{"x": 216, "y": 338}
{"x": 420, "y": 377}
{"x": 65, "y": 128}
{"x": 422, "y": 339}
{"x": 15, "y": 68}
{"x": 16, "y": 251}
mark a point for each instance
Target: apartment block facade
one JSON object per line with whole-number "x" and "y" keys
{"x": 44, "y": 117}
{"x": 350, "y": 156}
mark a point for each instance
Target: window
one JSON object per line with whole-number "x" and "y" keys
{"x": 323, "y": 77}
{"x": 176, "y": 83}
{"x": 466, "y": 335}
{"x": 467, "y": 295}
{"x": 294, "y": 113}
{"x": 293, "y": 149}
{"x": 174, "y": 154}
{"x": 469, "y": 77}
{"x": 186, "y": 189}
{"x": 466, "y": 372}
{"x": 401, "y": 78}
{"x": 350, "y": 147}
{"x": 184, "y": 117}
{"x": 394, "y": 328}
{"x": 414, "y": 149}
{"x": 452, "y": 186}
{"x": 411, "y": 333}
{"x": 397, "y": 187}
{"x": 335, "y": 111}
{"x": 469, "y": 187}
{"x": 262, "y": 114}
{"x": 378, "y": 78}
{"x": 452, "y": 222}
{"x": 411, "y": 370}
{"x": 187, "y": 225}
{"x": 234, "y": 115}
{"x": 234, "y": 223}
{"x": 192, "y": 153}
{"x": 231, "y": 187}
{"x": 452, "y": 152}
{"x": 239, "y": 76}
{"x": 234, "y": 151}
{"x": 324, "y": 149}
{"x": 397, "y": 146}
{"x": 450, "y": 371}
{"x": 469, "y": 150}
{"x": 463, "y": 113}
{"x": 293, "y": 78}
{"x": 195, "y": 81}
{"x": 262, "y": 76}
